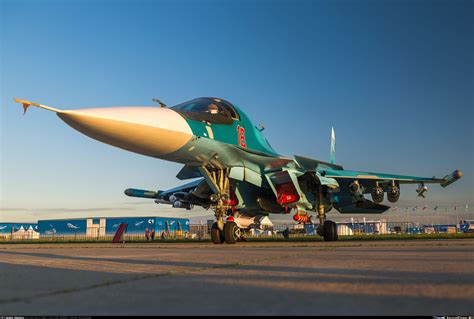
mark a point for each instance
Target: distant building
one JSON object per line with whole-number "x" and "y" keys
{"x": 362, "y": 227}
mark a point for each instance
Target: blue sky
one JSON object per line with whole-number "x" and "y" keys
{"x": 394, "y": 78}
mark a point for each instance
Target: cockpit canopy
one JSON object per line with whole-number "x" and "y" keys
{"x": 205, "y": 109}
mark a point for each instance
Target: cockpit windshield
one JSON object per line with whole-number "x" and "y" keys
{"x": 212, "y": 110}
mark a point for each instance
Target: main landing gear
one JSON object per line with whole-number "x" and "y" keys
{"x": 329, "y": 232}
{"x": 327, "y": 228}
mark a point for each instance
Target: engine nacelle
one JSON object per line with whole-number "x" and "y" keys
{"x": 393, "y": 193}
{"x": 377, "y": 194}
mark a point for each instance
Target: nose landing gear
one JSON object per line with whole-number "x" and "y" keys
{"x": 232, "y": 232}
{"x": 217, "y": 236}
{"x": 222, "y": 230}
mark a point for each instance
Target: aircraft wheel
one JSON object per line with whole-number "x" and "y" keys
{"x": 217, "y": 235}
{"x": 330, "y": 231}
{"x": 231, "y": 232}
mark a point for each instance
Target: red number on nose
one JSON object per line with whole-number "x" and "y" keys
{"x": 241, "y": 136}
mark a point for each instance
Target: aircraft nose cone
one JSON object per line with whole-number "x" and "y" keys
{"x": 149, "y": 131}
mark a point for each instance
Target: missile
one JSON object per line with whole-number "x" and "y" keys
{"x": 172, "y": 199}
{"x": 179, "y": 204}
{"x": 133, "y": 192}
{"x": 451, "y": 178}
{"x": 421, "y": 190}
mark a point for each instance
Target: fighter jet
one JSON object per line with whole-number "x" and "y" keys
{"x": 234, "y": 168}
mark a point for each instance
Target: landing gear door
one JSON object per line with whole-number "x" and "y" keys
{"x": 286, "y": 188}
{"x": 327, "y": 181}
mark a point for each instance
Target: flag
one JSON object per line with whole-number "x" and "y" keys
{"x": 415, "y": 208}
{"x": 467, "y": 207}
{"x": 424, "y": 207}
{"x": 394, "y": 209}
{"x": 436, "y": 208}
{"x": 455, "y": 208}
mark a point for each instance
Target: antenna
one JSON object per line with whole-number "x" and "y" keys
{"x": 159, "y": 102}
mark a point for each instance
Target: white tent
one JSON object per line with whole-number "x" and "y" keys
{"x": 25, "y": 234}
{"x": 265, "y": 222}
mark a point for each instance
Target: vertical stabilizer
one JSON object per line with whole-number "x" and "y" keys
{"x": 332, "y": 156}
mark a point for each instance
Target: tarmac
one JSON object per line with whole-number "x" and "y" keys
{"x": 412, "y": 277}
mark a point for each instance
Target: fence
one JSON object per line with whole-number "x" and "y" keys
{"x": 202, "y": 232}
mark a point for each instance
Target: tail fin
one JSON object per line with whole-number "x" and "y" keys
{"x": 332, "y": 156}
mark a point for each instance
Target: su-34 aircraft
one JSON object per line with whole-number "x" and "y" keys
{"x": 235, "y": 170}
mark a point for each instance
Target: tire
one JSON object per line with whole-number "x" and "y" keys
{"x": 217, "y": 236}
{"x": 330, "y": 231}
{"x": 231, "y": 232}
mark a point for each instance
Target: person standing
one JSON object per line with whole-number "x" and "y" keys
{"x": 152, "y": 234}
{"x": 147, "y": 234}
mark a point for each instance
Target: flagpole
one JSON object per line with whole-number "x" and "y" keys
{"x": 447, "y": 216}
{"x": 457, "y": 218}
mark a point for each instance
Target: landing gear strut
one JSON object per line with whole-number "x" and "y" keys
{"x": 221, "y": 231}
{"x": 327, "y": 228}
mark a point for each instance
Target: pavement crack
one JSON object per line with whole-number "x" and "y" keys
{"x": 125, "y": 281}
{"x": 79, "y": 289}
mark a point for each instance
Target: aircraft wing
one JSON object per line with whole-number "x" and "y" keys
{"x": 383, "y": 177}
{"x": 345, "y": 202}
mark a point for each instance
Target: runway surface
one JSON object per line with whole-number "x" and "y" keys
{"x": 420, "y": 277}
